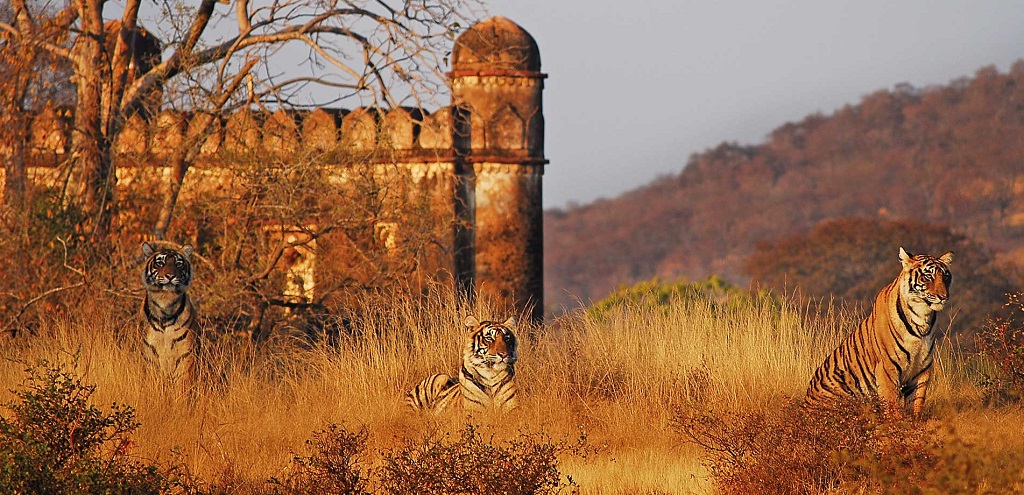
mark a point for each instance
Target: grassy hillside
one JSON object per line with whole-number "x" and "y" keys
{"x": 620, "y": 377}
{"x": 950, "y": 155}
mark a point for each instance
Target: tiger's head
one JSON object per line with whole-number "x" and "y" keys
{"x": 927, "y": 278}
{"x": 167, "y": 269}
{"x": 491, "y": 345}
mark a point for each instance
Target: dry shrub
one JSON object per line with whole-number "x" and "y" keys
{"x": 853, "y": 448}
{"x": 51, "y": 270}
{"x": 1001, "y": 340}
{"x": 53, "y": 440}
{"x": 433, "y": 464}
{"x": 792, "y": 451}
{"x": 440, "y": 464}
{"x": 333, "y": 465}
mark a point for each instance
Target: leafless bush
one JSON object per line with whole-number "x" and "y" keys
{"x": 853, "y": 448}
{"x": 1001, "y": 340}
{"x": 468, "y": 463}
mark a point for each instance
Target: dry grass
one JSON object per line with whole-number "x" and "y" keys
{"x": 618, "y": 380}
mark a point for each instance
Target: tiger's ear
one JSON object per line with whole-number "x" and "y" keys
{"x": 510, "y": 322}
{"x": 947, "y": 258}
{"x": 147, "y": 249}
{"x": 187, "y": 251}
{"x": 471, "y": 321}
{"x": 905, "y": 257}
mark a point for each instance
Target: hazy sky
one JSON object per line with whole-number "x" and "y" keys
{"x": 634, "y": 88}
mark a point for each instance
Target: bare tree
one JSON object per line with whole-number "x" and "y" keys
{"x": 382, "y": 52}
{"x": 15, "y": 71}
{"x": 29, "y": 78}
{"x": 378, "y": 231}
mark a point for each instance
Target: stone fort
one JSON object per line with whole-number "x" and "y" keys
{"x": 481, "y": 159}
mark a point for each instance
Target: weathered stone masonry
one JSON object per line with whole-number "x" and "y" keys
{"x": 483, "y": 157}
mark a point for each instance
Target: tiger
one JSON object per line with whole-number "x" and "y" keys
{"x": 889, "y": 356}
{"x": 170, "y": 333}
{"x": 486, "y": 380}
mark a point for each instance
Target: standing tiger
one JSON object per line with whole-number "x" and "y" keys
{"x": 170, "y": 334}
{"x": 890, "y": 354}
{"x": 486, "y": 379}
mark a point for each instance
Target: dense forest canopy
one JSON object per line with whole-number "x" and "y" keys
{"x": 948, "y": 155}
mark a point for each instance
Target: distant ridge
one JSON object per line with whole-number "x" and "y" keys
{"x": 951, "y": 154}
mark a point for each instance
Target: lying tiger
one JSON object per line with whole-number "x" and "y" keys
{"x": 890, "y": 354}
{"x": 486, "y": 380}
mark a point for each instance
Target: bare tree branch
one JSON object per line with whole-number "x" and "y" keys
{"x": 45, "y": 45}
{"x": 16, "y": 320}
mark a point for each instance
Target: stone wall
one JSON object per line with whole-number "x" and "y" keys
{"x": 480, "y": 161}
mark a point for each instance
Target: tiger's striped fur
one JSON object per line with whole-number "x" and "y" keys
{"x": 435, "y": 393}
{"x": 486, "y": 380}
{"x": 890, "y": 354}
{"x": 170, "y": 334}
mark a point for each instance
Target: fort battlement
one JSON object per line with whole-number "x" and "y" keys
{"x": 344, "y": 136}
{"x": 485, "y": 152}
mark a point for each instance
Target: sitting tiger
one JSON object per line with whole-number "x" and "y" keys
{"x": 170, "y": 328}
{"x": 488, "y": 369}
{"x": 890, "y": 354}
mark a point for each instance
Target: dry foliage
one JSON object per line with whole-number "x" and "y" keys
{"x": 54, "y": 440}
{"x": 332, "y": 466}
{"x": 788, "y": 450}
{"x": 946, "y": 155}
{"x": 852, "y": 259}
{"x": 467, "y": 462}
{"x": 247, "y": 236}
{"x": 853, "y": 448}
{"x": 619, "y": 379}
{"x": 1001, "y": 339}
{"x": 218, "y": 58}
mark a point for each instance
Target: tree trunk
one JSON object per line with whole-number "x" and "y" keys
{"x": 14, "y": 165}
{"x": 179, "y": 167}
{"x": 14, "y": 118}
{"x": 91, "y": 148}
{"x": 92, "y": 155}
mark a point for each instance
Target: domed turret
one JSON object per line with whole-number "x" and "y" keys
{"x": 496, "y": 44}
{"x": 497, "y": 87}
{"x": 496, "y": 78}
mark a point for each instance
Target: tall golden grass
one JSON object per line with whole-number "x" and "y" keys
{"x": 618, "y": 379}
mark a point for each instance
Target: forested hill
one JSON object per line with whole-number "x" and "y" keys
{"x": 950, "y": 154}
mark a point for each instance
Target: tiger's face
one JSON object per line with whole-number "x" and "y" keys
{"x": 491, "y": 344}
{"x": 928, "y": 278}
{"x": 167, "y": 269}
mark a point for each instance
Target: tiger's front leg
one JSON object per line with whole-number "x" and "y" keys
{"x": 888, "y": 391}
{"x": 920, "y": 390}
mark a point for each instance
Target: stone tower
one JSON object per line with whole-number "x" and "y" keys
{"x": 497, "y": 90}
{"x": 478, "y": 162}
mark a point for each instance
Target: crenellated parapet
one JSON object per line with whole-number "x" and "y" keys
{"x": 481, "y": 158}
{"x": 403, "y": 134}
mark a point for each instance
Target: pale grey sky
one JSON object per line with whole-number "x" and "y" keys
{"x": 635, "y": 88}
